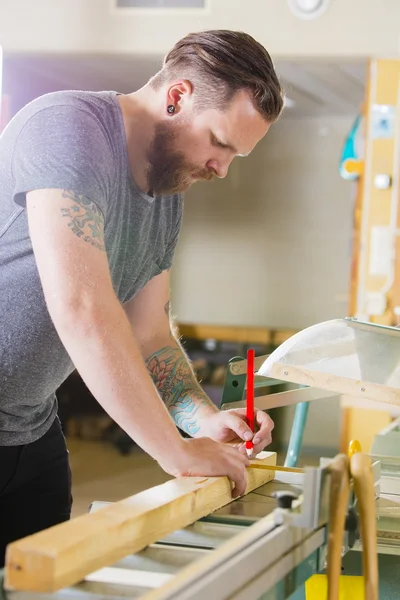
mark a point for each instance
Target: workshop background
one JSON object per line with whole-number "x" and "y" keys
{"x": 273, "y": 248}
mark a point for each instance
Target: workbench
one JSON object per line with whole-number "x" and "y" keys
{"x": 249, "y": 549}
{"x": 187, "y": 539}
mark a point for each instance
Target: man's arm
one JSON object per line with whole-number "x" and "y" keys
{"x": 167, "y": 362}
{"x": 183, "y": 396}
{"x": 192, "y": 410}
{"x": 67, "y": 233}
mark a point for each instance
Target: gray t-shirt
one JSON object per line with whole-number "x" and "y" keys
{"x": 67, "y": 140}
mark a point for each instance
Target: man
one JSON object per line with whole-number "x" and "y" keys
{"x": 91, "y": 191}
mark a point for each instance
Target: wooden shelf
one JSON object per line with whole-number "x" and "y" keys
{"x": 239, "y": 334}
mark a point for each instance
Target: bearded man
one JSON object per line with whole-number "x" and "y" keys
{"x": 91, "y": 200}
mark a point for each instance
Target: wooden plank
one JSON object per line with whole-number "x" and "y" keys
{"x": 63, "y": 555}
{"x": 336, "y": 383}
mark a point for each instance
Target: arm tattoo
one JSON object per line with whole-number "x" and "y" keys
{"x": 85, "y": 219}
{"x": 175, "y": 382}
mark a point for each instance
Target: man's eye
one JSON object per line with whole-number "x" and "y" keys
{"x": 219, "y": 144}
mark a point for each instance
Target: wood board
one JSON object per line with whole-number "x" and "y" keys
{"x": 336, "y": 383}
{"x": 64, "y": 554}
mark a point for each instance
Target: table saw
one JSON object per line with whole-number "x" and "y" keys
{"x": 188, "y": 540}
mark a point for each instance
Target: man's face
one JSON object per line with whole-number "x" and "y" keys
{"x": 197, "y": 145}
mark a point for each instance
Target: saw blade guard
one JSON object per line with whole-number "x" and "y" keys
{"x": 343, "y": 347}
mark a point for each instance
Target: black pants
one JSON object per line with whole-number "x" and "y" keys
{"x": 35, "y": 487}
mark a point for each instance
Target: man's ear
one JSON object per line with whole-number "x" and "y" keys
{"x": 177, "y": 93}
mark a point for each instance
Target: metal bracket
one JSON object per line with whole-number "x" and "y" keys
{"x": 235, "y": 382}
{"x": 311, "y": 510}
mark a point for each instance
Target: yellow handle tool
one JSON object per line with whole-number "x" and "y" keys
{"x": 361, "y": 471}
{"x": 354, "y": 447}
{"x": 356, "y": 466}
{"x": 339, "y": 497}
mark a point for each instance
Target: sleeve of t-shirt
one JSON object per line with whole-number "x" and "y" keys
{"x": 63, "y": 147}
{"x": 173, "y": 241}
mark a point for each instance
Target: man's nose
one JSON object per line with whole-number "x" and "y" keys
{"x": 220, "y": 168}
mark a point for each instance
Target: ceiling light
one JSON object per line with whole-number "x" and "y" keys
{"x": 308, "y": 9}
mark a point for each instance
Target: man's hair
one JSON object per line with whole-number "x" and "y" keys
{"x": 220, "y": 63}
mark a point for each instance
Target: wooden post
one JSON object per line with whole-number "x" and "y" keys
{"x": 375, "y": 272}
{"x": 374, "y": 286}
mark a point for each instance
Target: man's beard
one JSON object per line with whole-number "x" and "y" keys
{"x": 169, "y": 172}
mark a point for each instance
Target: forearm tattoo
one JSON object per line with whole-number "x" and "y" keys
{"x": 176, "y": 384}
{"x": 84, "y": 219}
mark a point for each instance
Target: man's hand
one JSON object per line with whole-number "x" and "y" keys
{"x": 191, "y": 409}
{"x": 231, "y": 426}
{"x": 203, "y": 457}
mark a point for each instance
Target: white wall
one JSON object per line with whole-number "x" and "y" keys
{"x": 348, "y": 28}
{"x": 322, "y": 431}
{"x": 271, "y": 244}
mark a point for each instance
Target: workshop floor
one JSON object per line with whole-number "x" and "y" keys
{"x": 99, "y": 472}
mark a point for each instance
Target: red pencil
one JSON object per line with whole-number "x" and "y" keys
{"x": 250, "y": 397}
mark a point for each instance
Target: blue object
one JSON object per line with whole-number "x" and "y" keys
{"x": 296, "y": 435}
{"x": 352, "y": 149}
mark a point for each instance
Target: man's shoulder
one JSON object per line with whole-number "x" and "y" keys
{"x": 93, "y": 103}
{"x": 72, "y": 97}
